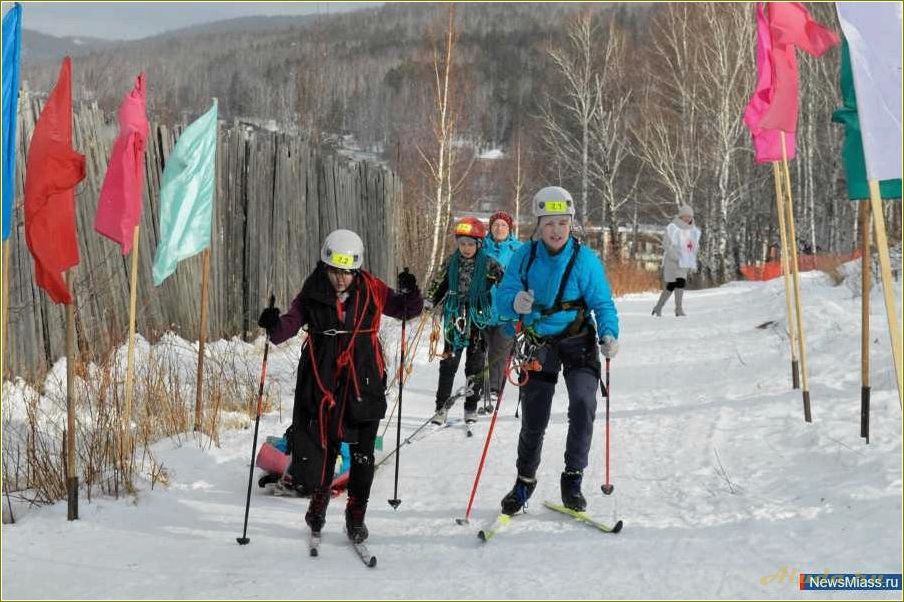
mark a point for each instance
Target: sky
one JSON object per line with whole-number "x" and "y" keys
{"x": 133, "y": 20}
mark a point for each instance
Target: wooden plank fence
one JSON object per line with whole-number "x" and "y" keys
{"x": 278, "y": 196}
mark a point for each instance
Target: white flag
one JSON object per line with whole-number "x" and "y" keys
{"x": 873, "y": 32}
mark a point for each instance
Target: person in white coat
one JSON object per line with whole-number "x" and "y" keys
{"x": 679, "y": 244}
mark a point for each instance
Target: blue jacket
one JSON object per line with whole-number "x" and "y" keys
{"x": 587, "y": 281}
{"x": 501, "y": 252}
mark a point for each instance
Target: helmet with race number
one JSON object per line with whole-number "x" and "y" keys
{"x": 553, "y": 200}
{"x": 342, "y": 249}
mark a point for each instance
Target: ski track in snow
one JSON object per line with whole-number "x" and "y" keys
{"x": 719, "y": 481}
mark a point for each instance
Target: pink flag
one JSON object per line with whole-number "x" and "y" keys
{"x": 767, "y": 144}
{"x": 119, "y": 207}
{"x": 790, "y": 27}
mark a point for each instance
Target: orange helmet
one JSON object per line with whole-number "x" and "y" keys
{"x": 471, "y": 227}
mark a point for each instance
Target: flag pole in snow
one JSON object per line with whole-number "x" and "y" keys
{"x": 786, "y": 274}
{"x": 795, "y": 274}
{"x": 865, "y": 286}
{"x": 71, "y": 468}
{"x": 887, "y": 282}
{"x": 202, "y": 336}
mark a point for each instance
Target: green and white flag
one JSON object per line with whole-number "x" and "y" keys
{"x": 873, "y": 32}
{"x": 186, "y": 196}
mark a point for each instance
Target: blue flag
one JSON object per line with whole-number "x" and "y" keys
{"x": 12, "y": 38}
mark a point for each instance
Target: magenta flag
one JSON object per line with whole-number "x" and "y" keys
{"x": 767, "y": 143}
{"x": 119, "y": 207}
{"x": 791, "y": 27}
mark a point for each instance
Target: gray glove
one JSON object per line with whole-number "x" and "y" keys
{"x": 524, "y": 301}
{"x": 609, "y": 346}
{"x": 428, "y": 305}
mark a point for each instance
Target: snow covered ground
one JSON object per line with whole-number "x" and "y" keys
{"x": 724, "y": 490}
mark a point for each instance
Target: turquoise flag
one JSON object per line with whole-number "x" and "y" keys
{"x": 12, "y": 43}
{"x": 186, "y": 196}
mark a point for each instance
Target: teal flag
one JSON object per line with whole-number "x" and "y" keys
{"x": 852, "y": 150}
{"x": 186, "y": 196}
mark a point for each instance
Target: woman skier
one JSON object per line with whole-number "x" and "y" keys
{"x": 500, "y": 244}
{"x": 340, "y": 394}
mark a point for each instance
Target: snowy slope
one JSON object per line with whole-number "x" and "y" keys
{"x": 725, "y": 492}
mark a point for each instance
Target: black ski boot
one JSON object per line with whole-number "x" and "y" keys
{"x": 517, "y": 497}
{"x": 315, "y": 517}
{"x": 572, "y": 497}
{"x": 355, "y": 510}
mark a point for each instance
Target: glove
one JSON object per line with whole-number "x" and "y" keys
{"x": 406, "y": 282}
{"x": 428, "y": 305}
{"x": 609, "y": 346}
{"x": 524, "y": 301}
{"x": 269, "y": 318}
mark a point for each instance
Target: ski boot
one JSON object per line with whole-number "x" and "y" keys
{"x": 470, "y": 416}
{"x": 315, "y": 517}
{"x": 354, "y": 519}
{"x": 516, "y": 499}
{"x": 440, "y": 417}
{"x": 572, "y": 497}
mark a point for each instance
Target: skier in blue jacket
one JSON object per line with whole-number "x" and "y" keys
{"x": 552, "y": 285}
{"x": 500, "y": 244}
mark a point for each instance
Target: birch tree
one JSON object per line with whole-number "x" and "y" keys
{"x": 568, "y": 111}
{"x": 442, "y": 119}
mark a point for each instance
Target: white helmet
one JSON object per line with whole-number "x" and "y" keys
{"x": 553, "y": 200}
{"x": 342, "y": 249}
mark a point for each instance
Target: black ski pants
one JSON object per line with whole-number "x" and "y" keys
{"x": 499, "y": 346}
{"x": 361, "y": 472}
{"x": 577, "y": 357}
{"x": 474, "y": 364}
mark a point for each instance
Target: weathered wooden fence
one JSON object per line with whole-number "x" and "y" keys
{"x": 278, "y": 196}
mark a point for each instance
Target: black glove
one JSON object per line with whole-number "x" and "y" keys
{"x": 269, "y": 318}
{"x": 406, "y": 282}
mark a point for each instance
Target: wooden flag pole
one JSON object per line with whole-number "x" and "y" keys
{"x": 795, "y": 272}
{"x": 786, "y": 274}
{"x": 130, "y": 361}
{"x": 4, "y": 319}
{"x": 71, "y": 467}
{"x": 866, "y": 285}
{"x": 887, "y": 283}
{"x": 202, "y": 337}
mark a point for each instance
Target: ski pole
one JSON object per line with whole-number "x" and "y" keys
{"x": 486, "y": 443}
{"x": 244, "y": 539}
{"x": 395, "y": 501}
{"x": 607, "y": 487}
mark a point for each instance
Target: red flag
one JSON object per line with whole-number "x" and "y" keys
{"x": 119, "y": 207}
{"x": 791, "y": 27}
{"x": 52, "y": 171}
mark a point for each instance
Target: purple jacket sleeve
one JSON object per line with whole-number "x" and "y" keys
{"x": 289, "y": 323}
{"x": 402, "y": 306}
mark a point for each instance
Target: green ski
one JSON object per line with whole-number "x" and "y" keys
{"x": 500, "y": 523}
{"x": 584, "y": 518}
